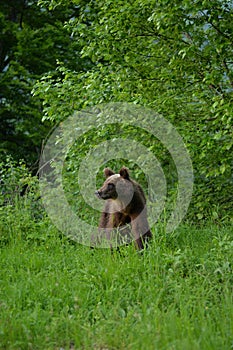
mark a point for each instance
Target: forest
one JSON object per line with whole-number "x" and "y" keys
{"x": 88, "y": 84}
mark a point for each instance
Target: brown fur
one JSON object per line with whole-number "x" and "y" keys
{"x": 125, "y": 204}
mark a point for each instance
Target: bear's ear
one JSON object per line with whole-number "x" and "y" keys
{"x": 124, "y": 172}
{"x": 108, "y": 172}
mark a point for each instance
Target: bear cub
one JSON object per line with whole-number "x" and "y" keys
{"x": 125, "y": 206}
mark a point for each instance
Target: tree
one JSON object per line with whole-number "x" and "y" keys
{"x": 33, "y": 39}
{"x": 176, "y": 59}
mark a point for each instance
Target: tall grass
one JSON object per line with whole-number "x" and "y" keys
{"x": 57, "y": 294}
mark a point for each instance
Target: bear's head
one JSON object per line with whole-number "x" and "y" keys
{"x": 116, "y": 186}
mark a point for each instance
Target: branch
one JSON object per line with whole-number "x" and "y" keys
{"x": 216, "y": 28}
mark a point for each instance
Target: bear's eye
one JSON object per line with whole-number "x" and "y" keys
{"x": 110, "y": 186}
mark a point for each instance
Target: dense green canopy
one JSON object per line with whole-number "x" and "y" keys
{"x": 173, "y": 56}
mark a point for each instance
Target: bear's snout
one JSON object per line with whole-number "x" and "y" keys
{"x": 105, "y": 193}
{"x": 101, "y": 194}
{"x": 97, "y": 194}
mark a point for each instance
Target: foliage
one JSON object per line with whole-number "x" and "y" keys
{"x": 19, "y": 199}
{"x": 16, "y": 180}
{"x": 175, "y": 59}
{"x": 32, "y": 40}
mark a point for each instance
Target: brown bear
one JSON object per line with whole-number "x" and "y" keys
{"x": 125, "y": 206}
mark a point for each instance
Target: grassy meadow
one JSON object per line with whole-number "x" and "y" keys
{"x": 56, "y": 294}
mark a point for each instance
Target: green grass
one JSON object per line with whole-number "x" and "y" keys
{"x": 56, "y": 294}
